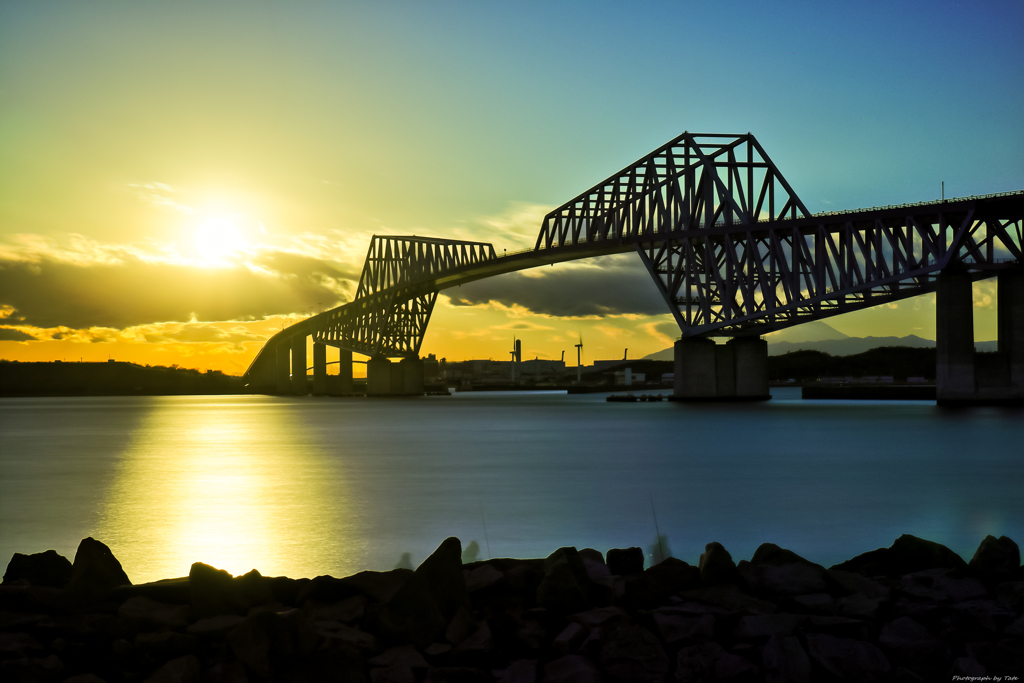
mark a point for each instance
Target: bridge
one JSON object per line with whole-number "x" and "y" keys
{"x": 734, "y": 253}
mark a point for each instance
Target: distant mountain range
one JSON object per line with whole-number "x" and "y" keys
{"x": 818, "y": 336}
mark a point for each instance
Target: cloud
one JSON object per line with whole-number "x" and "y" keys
{"x": 195, "y": 333}
{"x": 12, "y": 334}
{"x": 50, "y": 293}
{"x": 607, "y": 286}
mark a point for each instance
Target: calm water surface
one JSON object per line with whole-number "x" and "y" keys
{"x": 310, "y": 486}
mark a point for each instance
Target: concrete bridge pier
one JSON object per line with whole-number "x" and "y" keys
{"x": 282, "y": 374}
{"x": 734, "y": 371}
{"x": 412, "y": 376}
{"x": 299, "y": 387}
{"x": 344, "y": 385}
{"x": 319, "y": 369}
{"x": 963, "y": 376}
{"x": 378, "y": 376}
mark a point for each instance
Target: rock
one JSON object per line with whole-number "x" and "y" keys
{"x": 214, "y": 627}
{"x": 147, "y": 614}
{"x": 996, "y": 559}
{"x": 815, "y": 603}
{"x": 475, "y": 649}
{"x": 710, "y": 662}
{"x": 442, "y": 573}
{"x": 910, "y": 554}
{"x": 996, "y": 657}
{"x": 347, "y": 611}
{"x": 401, "y": 656}
{"x": 983, "y": 618}
{"x": 777, "y": 571}
{"x": 211, "y": 591}
{"x": 785, "y": 661}
{"x": 519, "y": 671}
{"x": 966, "y": 667}
{"x": 625, "y": 561}
{"x": 421, "y": 609}
{"x": 730, "y": 598}
{"x": 265, "y": 640}
{"x": 593, "y": 562}
{"x": 763, "y": 626}
{"x": 630, "y": 653}
{"x": 437, "y": 649}
{"x": 165, "y": 645}
{"x": 95, "y": 573}
{"x": 84, "y": 678}
{"x": 181, "y": 670}
{"x": 1016, "y": 629}
{"x": 716, "y": 565}
{"x": 393, "y": 674}
{"x": 594, "y": 618}
{"x": 461, "y": 626}
{"x": 669, "y": 577}
{"x": 40, "y": 569}
{"x": 341, "y": 635}
{"x": 909, "y": 643}
{"x": 846, "y": 659}
{"x": 856, "y": 583}
{"x": 31, "y": 669}
{"x": 18, "y": 644}
{"x": 841, "y": 627}
{"x": 677, "y": 627}
{"x": 168, "y": 591}
{"x": 483, "y": 577}
{"x": 570, "y": 639}
{"x": 571, "y": 669}
{"x": 566, "y": 585}
{"x": 456, "y": 674}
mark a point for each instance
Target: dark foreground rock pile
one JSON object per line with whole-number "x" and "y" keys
{"x": 915, "y": 611}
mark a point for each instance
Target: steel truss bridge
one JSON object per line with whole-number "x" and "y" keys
{"x": 732, "y": 248}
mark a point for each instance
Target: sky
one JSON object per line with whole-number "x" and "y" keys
{"x": 180, "y": 180}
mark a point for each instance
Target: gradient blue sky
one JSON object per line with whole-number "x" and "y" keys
{"x": 127, "y": 127}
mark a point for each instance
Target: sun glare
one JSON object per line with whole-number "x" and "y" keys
{"x": 218, "y": 238}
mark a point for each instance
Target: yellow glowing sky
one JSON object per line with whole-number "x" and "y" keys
{"x": 179, "y": 180}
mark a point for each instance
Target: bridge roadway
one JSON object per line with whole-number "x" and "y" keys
{"x": 729, "y": 260}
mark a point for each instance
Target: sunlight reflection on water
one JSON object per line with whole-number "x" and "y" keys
{"x": 234, "y": 488}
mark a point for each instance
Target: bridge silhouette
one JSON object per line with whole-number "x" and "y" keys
{"x": 734, "y": 253}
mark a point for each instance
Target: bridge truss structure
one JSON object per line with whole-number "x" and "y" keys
{"x": 735, "y": 252}
{"x": 732, "y": 248}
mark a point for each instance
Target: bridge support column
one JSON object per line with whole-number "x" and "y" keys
{"x": 299, "y": 387}
{"x": 319, "y": 369}
{"x": 735, "y": 371}
{"x": 750, "y": 355}
{"x": 378, "y": 376}
{"x": 1011, "y": 325}
{"x": 412, "y": 376}
{"x": 282, "y": 376}
{"x": 345, "y": 372}
{"x": 954, "y": 338}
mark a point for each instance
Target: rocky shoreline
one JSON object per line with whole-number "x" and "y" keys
{"x": 915, "y": 611}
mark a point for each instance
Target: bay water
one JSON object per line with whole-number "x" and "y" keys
{"x": 304, "y": 486}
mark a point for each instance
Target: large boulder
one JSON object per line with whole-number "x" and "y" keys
{"x": 846, "y": 659}
{"x": 632, "y": 654}
{"x": 777, "y": 571}
{"x": 423, "y": 606}
{"x": 214, "y": 591}
{"x": 625, "y": 561}
{"x": 711, "y": 662}
{"x": 95, "y": 573}
{"x": 39, "y": 569}
{"x": 716, "y": 564}
{"x": 566, "y": 585}
{"x": 908, "y": 554}
{"x": 996, "y": 559}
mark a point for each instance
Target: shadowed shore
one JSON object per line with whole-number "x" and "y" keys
{"x": 913, "y": 611}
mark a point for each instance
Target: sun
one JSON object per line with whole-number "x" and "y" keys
{"x": 217, "y": 238}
